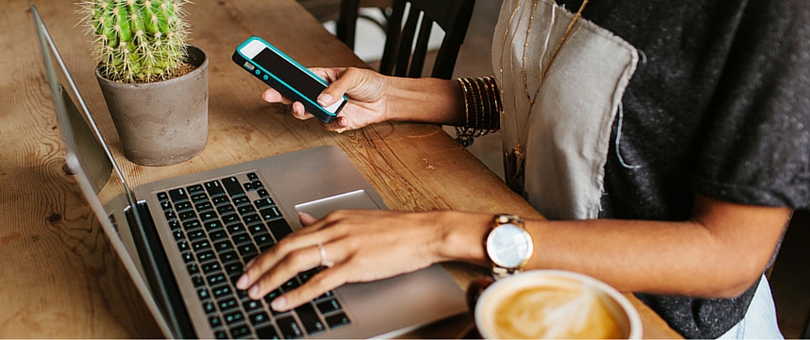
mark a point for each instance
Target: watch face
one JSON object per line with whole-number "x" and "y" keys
{"x": 509, "y": 245}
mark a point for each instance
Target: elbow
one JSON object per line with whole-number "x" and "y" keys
{"x": 736, "y": 280}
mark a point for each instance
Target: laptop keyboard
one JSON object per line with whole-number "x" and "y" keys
{"x": 219, "y": 226}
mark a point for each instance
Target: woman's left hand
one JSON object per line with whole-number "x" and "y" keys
{"x": 358, "y": 246}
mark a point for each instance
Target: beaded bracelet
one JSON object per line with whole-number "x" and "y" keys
{"x": 482, "y": 109}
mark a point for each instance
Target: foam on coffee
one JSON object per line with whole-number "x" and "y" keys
{"x": 555, "y": 308}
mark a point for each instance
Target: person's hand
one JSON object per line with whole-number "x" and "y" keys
{"x": 365, "y": 88}
{"x": 358, "y": 246}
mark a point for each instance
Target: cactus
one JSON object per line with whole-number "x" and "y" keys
{"x": 137, "y": 41}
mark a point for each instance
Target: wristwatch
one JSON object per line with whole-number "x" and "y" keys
{"x": 508, "y": 246}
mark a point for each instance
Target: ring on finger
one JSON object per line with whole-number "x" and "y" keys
{"x": 324, "y": 261}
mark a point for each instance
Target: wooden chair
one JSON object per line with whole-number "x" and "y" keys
{"x": 405, "y": 47}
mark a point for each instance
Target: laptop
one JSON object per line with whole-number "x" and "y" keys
{"x": 184, "y": 241}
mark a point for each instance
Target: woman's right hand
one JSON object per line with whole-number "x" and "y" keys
{"x": 364, "y": 88}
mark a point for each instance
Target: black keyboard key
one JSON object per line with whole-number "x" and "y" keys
{"x": 211, "y": 267}
{"x": 220, "y": 200}
{"x": 187, "y": 257}
{"x": 259, "y": 319}
{"x": 257, "y": 185}
{"x": 252, "y": 305}
{"x": 252, "y": 219}
{"x": 178, "y": 195}
{"x": 205, "y": 256}
{"x": 220, "y": 334}
{"x": 187, "y": 215}
{"x": 248, "y": 186}
{"x": 233, "y": 269}
{"x": 203, "y": 294}
{"x": 196, "y": 235}
{"x": 231, "y": 219}
{"x": 169, "y": 215}
{"x": 289, "y": 328}
{"x": 309, "y": 319}
{"x": 182, "y": 245}
{"x": 236, "y": 228}
{"x": 225, "y": 209}
{"x": 240, "y": 239}
{"x": 182, "y": 206}
{"x": 270, "y": 213}
{"x": 290, "y": 285}
{"x": 328, "y": 295}
{"x": 201, "y": 246}
{"x": 203, "y": 206}
{"x": 214, "y": 188}
{"x": 264, "y": 203}
{"x": 216, "y": 279}
{"x": 195, "y": 189}
{"x": 240, "y": 332}
{"x": 223, "y": 246}
{"x": 234, "y": 318}
{"x": 248, "y": 250}
{"x": 214, "y": 321}
{"x": 264, "y": 241}
{"x": 192, "y": 268}
{"x": 256, "y": 229}
{"x": 337, "y": 320}
{"x": 246, "y": 210}
{"x": 227, "y": 304}
{"x": 209, "y": 307}
{"x": 272, "y": 296}
{"x": 218, "y": 235}
{"x": 268, "y": 332}
{"x": 222, "y": 292}
{"x": 279, "y": 228}
{"x": 252, "y": 176}
{"x": 166, "y": 205}
{"x": 241, "y": 200}
{"x": 162, "y": 196}
{"x": 263, "y": 193}
{"x": 174, "y": 225}
{"x": 178, "y": 235}
{"x": 328, "y": 306}
{"x": 228, "y": 257}
{"x": 199, "y": 198}
{"x": 233, "y": 187}
{"x": 198, "y": 281}
{"x": 208, "y": 216}
{"x": 191, "y": 225}
{"x": 213, "y": 225}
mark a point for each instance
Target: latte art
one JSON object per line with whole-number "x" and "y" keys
{"x": 565, "y": 310}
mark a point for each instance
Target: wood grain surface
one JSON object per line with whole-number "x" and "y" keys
{"x": 59, "y": 275}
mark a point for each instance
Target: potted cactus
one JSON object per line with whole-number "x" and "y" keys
{"x": 154, "y": 83}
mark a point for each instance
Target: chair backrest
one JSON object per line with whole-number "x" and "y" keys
{"x": 405, "y": 46}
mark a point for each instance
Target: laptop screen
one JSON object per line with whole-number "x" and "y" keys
{"x": 95, "y": 170}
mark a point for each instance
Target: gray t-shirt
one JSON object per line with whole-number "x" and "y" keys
{"x": 719, "y": 106}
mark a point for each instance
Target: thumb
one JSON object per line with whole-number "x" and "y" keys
{"x": 306, "y": 219}
{"x": 343, "y": 83}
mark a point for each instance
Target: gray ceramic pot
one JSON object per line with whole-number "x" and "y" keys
{"x": 164, "y": 122}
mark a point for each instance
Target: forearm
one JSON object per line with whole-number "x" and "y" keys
{"x": 700, "y": 257}
{"x": 427, "y": 100}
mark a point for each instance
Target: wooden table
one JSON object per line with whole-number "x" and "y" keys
{"x": 58, "y": 273}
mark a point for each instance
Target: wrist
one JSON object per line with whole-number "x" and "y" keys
{"x": 461, "y": 237}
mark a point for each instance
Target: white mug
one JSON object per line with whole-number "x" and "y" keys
{"x": 554, "y": 304}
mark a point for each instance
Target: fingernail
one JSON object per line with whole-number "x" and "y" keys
{"x": 243, "y": 281}
{"x": 279, "y": 304}
{"x": 254, "y": 292}
{"x": 325, "y": 99}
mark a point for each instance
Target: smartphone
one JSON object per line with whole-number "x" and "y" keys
{"x": 286, "y": 76}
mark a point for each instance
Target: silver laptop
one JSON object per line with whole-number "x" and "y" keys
{"x": 185, "y": 240}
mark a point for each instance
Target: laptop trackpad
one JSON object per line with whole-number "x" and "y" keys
{"x": 352, "y": 200}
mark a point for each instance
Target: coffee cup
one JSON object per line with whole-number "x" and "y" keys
{"x": 554, "y": 304}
